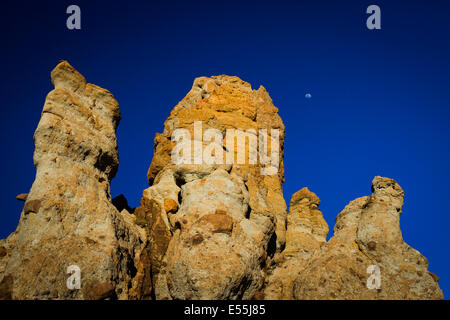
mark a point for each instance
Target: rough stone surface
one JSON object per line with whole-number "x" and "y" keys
{"x": 203, "y": 230}
{"x": 68, "y": 218}
{"x": 22, "y": 196}
{"x": 215, "y": 224}
{"x": 306, "y": 233}
{"x": 121, "y": 203}
{"x": 367, "y": 232}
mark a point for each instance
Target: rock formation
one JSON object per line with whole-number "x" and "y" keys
{"x": 212, "y": 224}
{"x": 68, "y": 218}
{"x": 367, "y": 233}
{"x": 22, "y": 197}
{"x": 306, "y": 233}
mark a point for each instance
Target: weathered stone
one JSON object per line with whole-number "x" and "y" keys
{"x": 6, "y": 288}
{"x": 219, "y": 222}
{"x": 306, "y": 233}
{"x": 197, "y": 239}
{"x": 101, "y": 291}
{"x": 202, "y": 231}
{"x": 170, "y": 206}
{"x": 75, "y": 223}
{"x": 306, "y": 227}
{"x": 32, "y": 206}
{"x": 121, "y": 203}
{"x": 3, "y": 252}
{"x": 372, "y": 245}
{"x": 367, "y": 232}
{"x": 433, "y": 275}
{"x": 226, "y": 213}
{"x": 22, "y": 196}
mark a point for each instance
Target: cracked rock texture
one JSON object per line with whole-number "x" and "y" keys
{"x": 306, "y": 233}
{"x": 68, "y": 218}
{"x": 203, "y": 230}
{"x": 213, "y": 226}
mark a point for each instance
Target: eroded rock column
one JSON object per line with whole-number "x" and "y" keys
{"x": 68, "y": 218}
{"x": 366, "y": 236}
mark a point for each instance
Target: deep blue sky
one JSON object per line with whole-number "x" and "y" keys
{"x": 380, "y": 99}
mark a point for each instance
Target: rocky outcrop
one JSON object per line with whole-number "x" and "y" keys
{"x": 22, "y": 197}
{"x": 306, "y": 233}
{"x": 367, "y": 233}
{"x": 68, "y": 218}
{"x": 306, "y": 227}
{"x": 214, "y": 224}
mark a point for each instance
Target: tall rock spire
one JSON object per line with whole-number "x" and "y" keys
{"x": 68, "y": 218}
{"x": 367, "y": 236}
{"x": 226, "y": 217}
{"x": 212, "y": 224}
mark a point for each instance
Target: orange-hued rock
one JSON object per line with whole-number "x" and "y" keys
{"x": 204, "y": 229}
{"x": 219, "y": 222}
{"x": 68, "y": 218}
{"x": 215, "y": 220}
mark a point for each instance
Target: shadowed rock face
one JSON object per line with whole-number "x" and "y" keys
{"x": 203, "y": 231}
{"x": 68, "y": 218}
{"x": 367, "y": 232}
